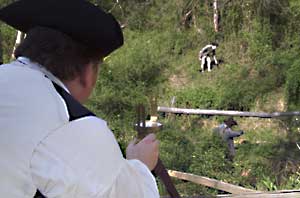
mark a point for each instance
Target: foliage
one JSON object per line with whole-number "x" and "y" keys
{"x": 3, "y": 3}
{"x": 268, "y": 183}
{"x": 211, "y": 152}
{"x": 8, "y": 35}
{"x": 293, "y": 85}
{"x": 293, "y": 181}
{"x": 198, "y": 97}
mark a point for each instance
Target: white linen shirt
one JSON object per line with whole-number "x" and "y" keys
{"x": 41, "y": 148}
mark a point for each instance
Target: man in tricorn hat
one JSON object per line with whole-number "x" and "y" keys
{"x": 51, "y": 145}
{"x": 224, "y": 130}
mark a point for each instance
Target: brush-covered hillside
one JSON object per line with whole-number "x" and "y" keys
{"x": 259, "y": 49}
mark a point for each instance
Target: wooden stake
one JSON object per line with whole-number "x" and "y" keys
{"x": 213, "y": 183}
{"x": 227, "y": 113}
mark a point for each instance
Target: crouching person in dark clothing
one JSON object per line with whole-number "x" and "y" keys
{"x": 227, "y": 134}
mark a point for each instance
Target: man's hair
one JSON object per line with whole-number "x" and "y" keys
{"x": 214, "y": 43}
{"x": 57, "y": 52}
{"x": 230, "y": 122}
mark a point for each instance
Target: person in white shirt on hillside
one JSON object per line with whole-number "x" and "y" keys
{"x": 207, "y": 56}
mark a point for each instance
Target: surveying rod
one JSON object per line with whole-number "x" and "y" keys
{"x": 143, "y": 128}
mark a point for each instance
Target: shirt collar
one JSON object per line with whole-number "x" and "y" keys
{"x": 26, "y": 62}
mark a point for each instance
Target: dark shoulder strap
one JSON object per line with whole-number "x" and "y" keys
{"x": 38, "y": 194}
{"x": 75, "y": 109}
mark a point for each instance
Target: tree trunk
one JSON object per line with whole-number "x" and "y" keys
{"x": 19, "y": 39}
{"x": 216, "y": 16}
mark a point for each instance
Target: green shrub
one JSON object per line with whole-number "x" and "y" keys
{"x": 198, "y": 97}
{"x": 8, "y": 35}
{"x": 293, "y": 86}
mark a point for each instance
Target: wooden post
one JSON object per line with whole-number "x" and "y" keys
{"x": 275, "y": 194}
{"x": 153, "y": 109}
{"x": 172, "y": 104}
{"x": 159, "y": 169}
{"x": 227, "y": 113}
{"x": 213, "y": 183}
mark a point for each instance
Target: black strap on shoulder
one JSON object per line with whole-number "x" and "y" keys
{"x": 38, "y": 194}
{"x": 75, "y": 109}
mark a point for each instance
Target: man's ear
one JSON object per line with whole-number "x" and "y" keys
{"x": 86, "y": 77}
{"x": 82, "y": 86}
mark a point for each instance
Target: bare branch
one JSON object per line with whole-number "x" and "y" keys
{"x": 20, "y": 37}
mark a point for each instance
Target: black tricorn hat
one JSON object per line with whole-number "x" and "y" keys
{"x": 230, "y": 121}
{"x": 81, "y": 20}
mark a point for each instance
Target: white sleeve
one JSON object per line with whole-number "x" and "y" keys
{"x": 206, "y": 47}
{"x": 82, "y": 159}
{"x": 215, "y": 59}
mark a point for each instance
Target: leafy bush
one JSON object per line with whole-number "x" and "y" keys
{"x": 210, "y": 152}
{"x": 198, "y": 97}
{"x": 293, "y": 85}
{"x": 8, "y": 35}
{"x": 293, "y": 182}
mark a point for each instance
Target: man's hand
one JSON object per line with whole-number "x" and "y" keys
{"x": 146, "y": 151}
